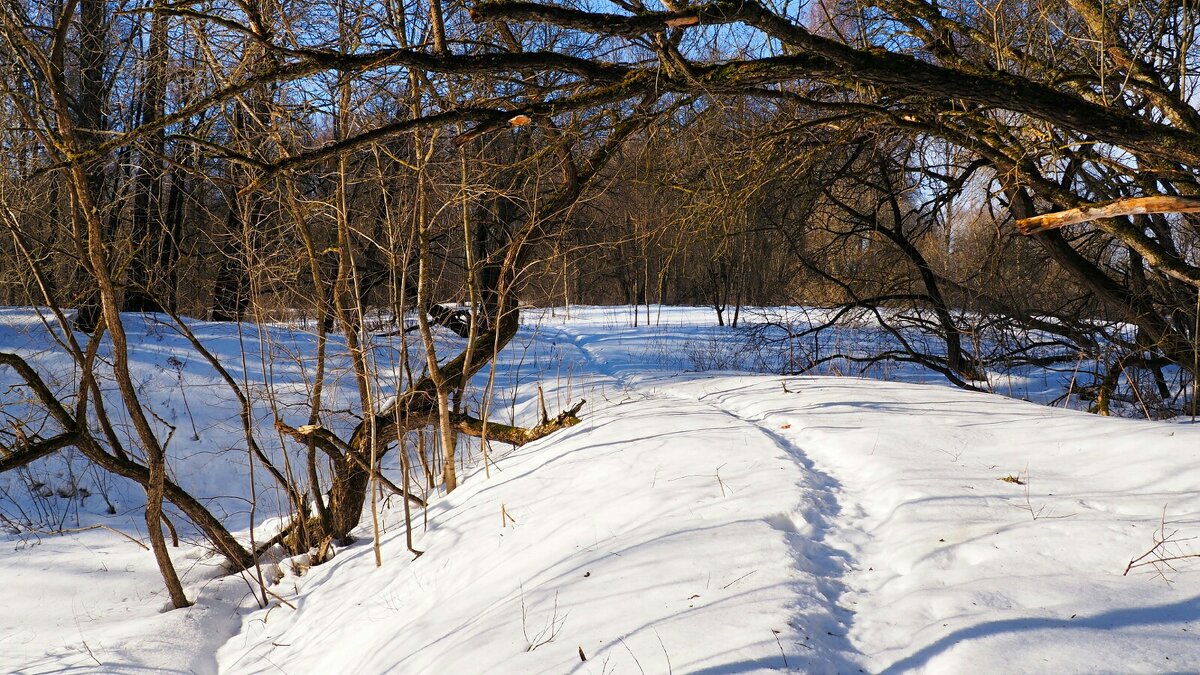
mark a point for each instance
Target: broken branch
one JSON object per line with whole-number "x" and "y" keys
{"x": 517, "y": 436}
{"x": 1128, "y": 206}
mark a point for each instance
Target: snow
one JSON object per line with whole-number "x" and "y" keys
{"x": 694, "y": 522}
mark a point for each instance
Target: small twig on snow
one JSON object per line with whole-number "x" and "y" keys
{"x": 1156, "y": 554}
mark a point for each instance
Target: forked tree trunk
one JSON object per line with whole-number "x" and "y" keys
{"x": 418, "y": 407}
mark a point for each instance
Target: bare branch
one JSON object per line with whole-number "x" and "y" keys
{"x": 30, "y": 450}
{"x": 1128, "y": 206}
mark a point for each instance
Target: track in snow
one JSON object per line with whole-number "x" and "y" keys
{"x": 806, "y": 529}
{"x": 822, "y": 628}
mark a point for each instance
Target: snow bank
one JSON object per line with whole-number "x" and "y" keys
{"x": 693, "y": 523}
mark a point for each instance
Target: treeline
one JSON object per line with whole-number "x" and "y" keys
{"x": 217, "y": 199}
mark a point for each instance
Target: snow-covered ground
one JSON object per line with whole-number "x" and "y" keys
{"x": 694, "y": 522}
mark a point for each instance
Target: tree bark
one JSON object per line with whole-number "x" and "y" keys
{"x": 149, "y": 230}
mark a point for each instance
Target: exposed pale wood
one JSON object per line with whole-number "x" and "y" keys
{"x": 1129, "y": 206}
{"x": 680, "y": 21}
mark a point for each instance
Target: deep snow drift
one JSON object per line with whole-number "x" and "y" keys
{"x": 693, "y": 523}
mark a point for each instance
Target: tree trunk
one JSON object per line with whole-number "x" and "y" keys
{"x": 418, "y": 407}
{"x": 231, "y": 292}
{"x": 89, "y": 119}
{"x": 149, "y": 230}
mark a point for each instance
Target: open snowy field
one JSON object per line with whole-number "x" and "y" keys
{"x": 696, "y": 521}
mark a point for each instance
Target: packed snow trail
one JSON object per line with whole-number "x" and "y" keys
{"x": 945, "y": 565}
{"x": 692, "y": 544}
{"x": 955, "y": 567}
{"x": 806, "y": 528}
{"x": 655, "y": 533}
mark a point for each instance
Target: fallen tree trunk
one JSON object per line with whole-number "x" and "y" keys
{"x": 415, "y": 408}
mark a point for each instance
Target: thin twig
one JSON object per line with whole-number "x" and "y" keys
{"x": 738, "y": 579}
{"x": 1160, "y": 539}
